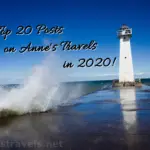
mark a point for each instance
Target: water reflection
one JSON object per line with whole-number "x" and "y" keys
{"x": 129, "y": 107}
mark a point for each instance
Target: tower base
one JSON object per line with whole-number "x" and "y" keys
{"x": 137, "y": 83}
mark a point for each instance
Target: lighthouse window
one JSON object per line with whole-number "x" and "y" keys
{"x": 125, "y": 57}
{"x": 128, "y": 31}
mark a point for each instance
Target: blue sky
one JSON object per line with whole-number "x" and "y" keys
{"x": 83, "y": 21}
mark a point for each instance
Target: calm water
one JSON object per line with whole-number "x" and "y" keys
{"x": 98, "y": 118}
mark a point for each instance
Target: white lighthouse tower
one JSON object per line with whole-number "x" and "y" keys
{"x": 126, "y": 72}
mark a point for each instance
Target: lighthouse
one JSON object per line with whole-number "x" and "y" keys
{"x": 126, "y": 71}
